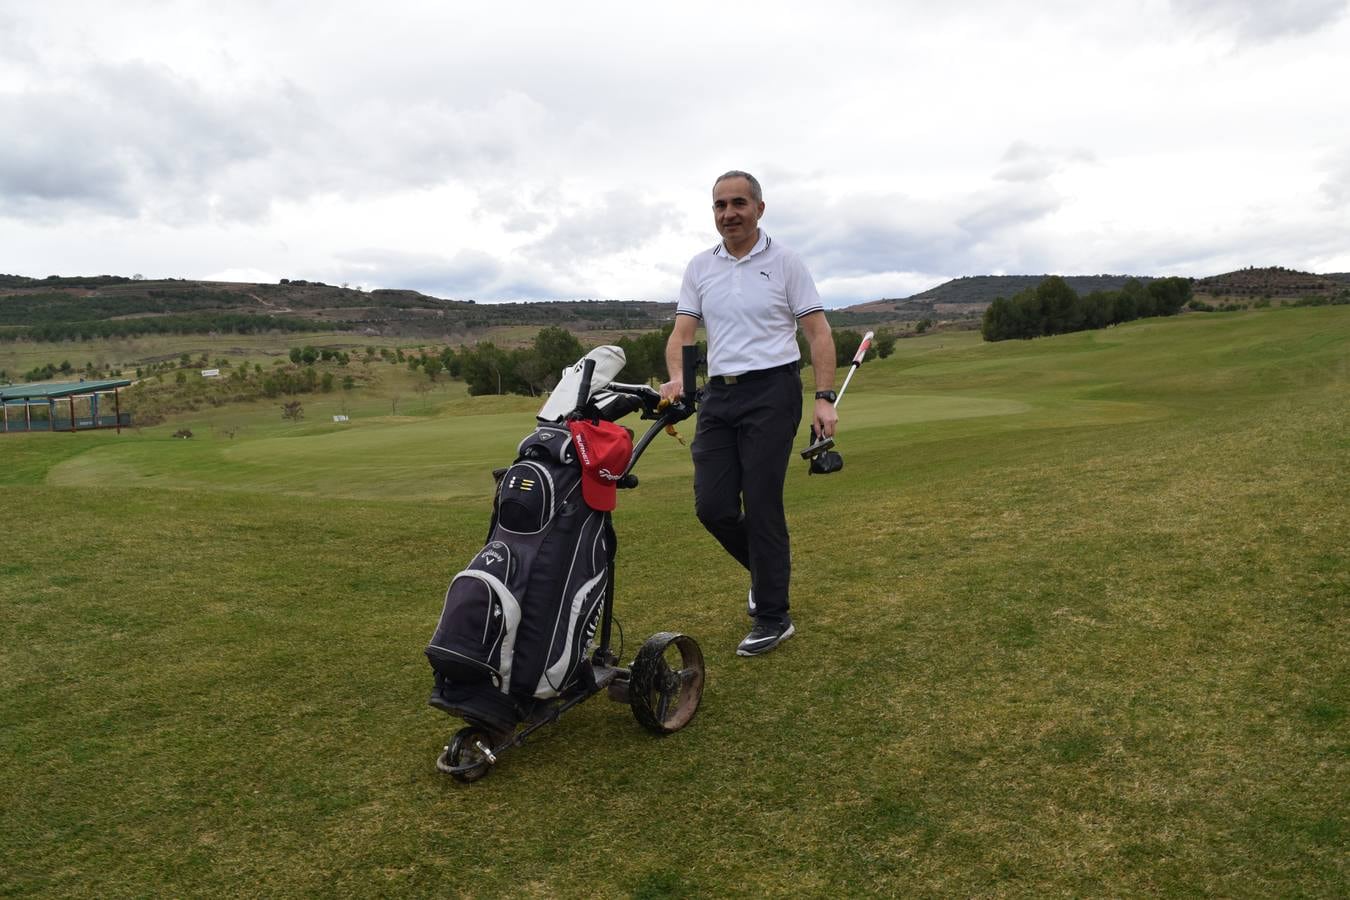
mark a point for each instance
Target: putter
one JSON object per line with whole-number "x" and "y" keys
{"x": 819, "y": 446}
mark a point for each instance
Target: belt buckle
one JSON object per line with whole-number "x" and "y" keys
{"x": 731, "y": 379}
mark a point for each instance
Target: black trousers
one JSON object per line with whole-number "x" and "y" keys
{"x": 741, "y": 452}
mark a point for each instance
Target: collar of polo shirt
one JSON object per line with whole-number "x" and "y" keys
{"x": 760, "y": 246}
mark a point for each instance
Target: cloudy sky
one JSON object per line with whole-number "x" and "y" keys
{"x": 539, "y": 150}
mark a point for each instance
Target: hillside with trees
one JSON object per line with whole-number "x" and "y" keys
{"x": 56, "y": 308}
{"x": 1054, "y": 307}
{"x": 1270, "y": 282}
{"x": 969, "y": 295}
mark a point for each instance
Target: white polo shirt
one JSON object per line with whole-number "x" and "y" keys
{"x": 750, "y": 306}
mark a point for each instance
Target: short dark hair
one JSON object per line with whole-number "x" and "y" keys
{"x": 755, "y": 190}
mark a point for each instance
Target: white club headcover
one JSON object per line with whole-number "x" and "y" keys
{"x": 609, "y": 361}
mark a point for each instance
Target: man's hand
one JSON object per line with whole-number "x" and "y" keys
{"x": 826, "y": 419}
{"x": 673, "y": 390}
{"x": 683, "y": 333}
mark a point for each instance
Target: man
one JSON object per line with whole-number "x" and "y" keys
{"x": 751, "y": 294}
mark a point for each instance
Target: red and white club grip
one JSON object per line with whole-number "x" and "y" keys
{"x": 862, "y": 349}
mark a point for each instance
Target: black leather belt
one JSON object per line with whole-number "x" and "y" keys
{"x": 751, "y": 376}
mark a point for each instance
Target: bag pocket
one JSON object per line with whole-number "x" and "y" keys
{"x": 526, "y": 498}
{"x": 475, "y": 638}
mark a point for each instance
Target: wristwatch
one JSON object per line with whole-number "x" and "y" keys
{"x": 827, "y": 395}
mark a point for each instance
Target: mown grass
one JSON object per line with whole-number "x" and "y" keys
{"x": 1072, "y": 621}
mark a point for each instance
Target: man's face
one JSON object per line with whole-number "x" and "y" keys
{"x": 735, "y": 211}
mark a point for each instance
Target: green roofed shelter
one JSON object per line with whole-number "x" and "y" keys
{"x": 61, "y": 406}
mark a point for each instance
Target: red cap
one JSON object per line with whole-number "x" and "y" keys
{"x": 604, "y": 449}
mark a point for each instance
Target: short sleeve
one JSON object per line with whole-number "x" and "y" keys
{"x": 690, "y": 303}
{"x": 802, "y": 296}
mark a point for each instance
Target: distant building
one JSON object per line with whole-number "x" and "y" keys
{"x": 62, "y": 406}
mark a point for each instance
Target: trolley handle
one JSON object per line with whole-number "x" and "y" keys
{"x": 678, "y": 411}
{"x": 650, "y": 397}
{"x": 689, "y": 363}
{"x": 684, "y": 407}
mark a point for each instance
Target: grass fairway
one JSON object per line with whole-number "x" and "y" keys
{"x": 1072, "y": 621}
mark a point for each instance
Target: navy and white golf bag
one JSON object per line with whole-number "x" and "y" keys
{"x": 519, "y": 620}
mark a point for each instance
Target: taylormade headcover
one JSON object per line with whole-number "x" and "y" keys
{"x": 825, "y": 462}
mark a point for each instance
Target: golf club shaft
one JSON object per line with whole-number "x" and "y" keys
{"x": 857, "y": 361}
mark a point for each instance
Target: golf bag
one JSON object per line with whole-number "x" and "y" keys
{"x": 519, "y": 620}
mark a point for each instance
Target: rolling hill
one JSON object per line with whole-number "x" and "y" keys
{"x": 74, "y": 308}
{"x": 1270, "y": 281}
{"x": 63, "y": 305}
{"x": 967, "y": 296}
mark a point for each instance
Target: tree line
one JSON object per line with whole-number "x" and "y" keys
{"x": 532, "y": 370}
{"x": 1053, "y": 307}
{"x": 223, "y": 323}
{"x": 485, "y": 368}
{"x": 48, "y": 307}
{"x": 489, "y": 369}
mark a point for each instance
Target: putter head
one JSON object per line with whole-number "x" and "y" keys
{"x": 817, "y": 446}
{"x": 823, "y": 459}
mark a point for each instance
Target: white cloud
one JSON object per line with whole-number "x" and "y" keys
{"x": 1262, "y": 20}
{"x": 1336, "y": 184}
{"x": 568, "y": 150}
{"x": 843, "y": 291}
{"x": 243, "y": 276}
{"x": 459, "y": 276}
{"x": 1023, "y": 161}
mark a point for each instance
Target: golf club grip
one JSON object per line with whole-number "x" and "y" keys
{"x": 584, "y": 389}
{"x": 689, "y": 372}
{"x": 862, "y": 349}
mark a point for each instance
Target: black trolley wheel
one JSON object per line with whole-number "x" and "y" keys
{"x": 464, "y": 759}
{"x": 666, "y": 682}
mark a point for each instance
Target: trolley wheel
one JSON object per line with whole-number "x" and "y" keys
{"x": 667, "y": 682}
{"x": 464, "y": 759}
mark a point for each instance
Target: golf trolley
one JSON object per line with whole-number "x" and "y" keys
{"x": 664, "y": 683}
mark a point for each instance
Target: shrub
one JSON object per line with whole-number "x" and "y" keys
{"x": 884, "y": 342}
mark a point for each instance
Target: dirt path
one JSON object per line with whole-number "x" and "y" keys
{"x": 271, "y": 306}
